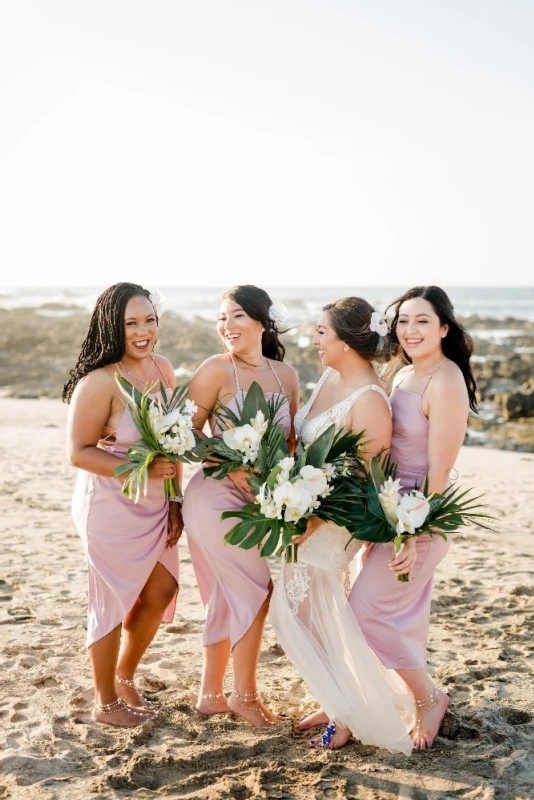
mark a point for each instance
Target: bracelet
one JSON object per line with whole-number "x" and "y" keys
{"x": 179, "y": 500}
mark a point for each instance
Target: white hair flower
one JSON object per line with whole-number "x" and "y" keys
{"x": 379, "y": 323}
{"x": 156, "y": 298}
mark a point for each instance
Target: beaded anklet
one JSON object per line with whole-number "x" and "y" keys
{"x": 116, "y": 705}
{"x": 248, "y": 700}
{"x": 131, "y": 685}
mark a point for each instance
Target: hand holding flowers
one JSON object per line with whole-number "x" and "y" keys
{"x": 166, "y": 428}
{"x": 388, "y": 515}
{"x": 251, "y": 438}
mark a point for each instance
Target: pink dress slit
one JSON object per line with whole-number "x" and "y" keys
{"x": 123, "y": 540}
{"x": 233, "y": 583}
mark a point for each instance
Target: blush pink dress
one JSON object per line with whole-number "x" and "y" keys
{"x": 122, "y": 540}
{"x": 233, "y": 583}
{"x": 395, "y": 616}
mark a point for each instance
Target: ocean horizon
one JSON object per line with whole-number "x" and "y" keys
{"x": 199, "y": 301}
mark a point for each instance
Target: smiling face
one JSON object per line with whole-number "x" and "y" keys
{"x": 141, "y": 328}
{"x": 327, "y": 342}
{"x": 239, "y": 332}
{"x": 419, "y": 329}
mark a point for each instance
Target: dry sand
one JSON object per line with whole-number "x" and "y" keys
{"x": 481, "y": 651}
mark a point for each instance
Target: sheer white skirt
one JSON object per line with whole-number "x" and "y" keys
{"x": 318, "y": 631}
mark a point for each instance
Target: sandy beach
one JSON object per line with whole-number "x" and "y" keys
{"x": 481, "y": 652}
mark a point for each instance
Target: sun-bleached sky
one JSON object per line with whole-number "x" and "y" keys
{"x": 289, "y": 142}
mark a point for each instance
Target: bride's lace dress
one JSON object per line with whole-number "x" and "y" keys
{"x": 310, "y": 613}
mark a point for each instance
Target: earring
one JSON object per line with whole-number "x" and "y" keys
{"x": 346, "y": 348}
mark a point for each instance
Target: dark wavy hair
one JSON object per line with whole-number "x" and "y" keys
{"x": 350, "y": 318}
{"x": 256, "y": 302}
{"x": 457, "y": 345}
{"x": 105, "y": 342}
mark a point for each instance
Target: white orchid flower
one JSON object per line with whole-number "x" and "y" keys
{"x": 405, "y": 523}
{"x": 379, "y": 323}
{"x": 416, "y": 505}
{"x": 190, "y": 407}
{"x": 314, "y": 479}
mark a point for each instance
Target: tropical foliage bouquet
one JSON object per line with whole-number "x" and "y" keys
{"x": 383, "y": 514}
{"x": 319, "y": 482}
{"x": 251, "y": 437}
{"x": 166, "y": 428}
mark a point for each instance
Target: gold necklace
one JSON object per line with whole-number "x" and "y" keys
{"x": 135, "y": 380}
{"x": 253, "y": 366}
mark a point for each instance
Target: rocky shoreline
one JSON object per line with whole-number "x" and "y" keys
{"x": 38, "y": 347}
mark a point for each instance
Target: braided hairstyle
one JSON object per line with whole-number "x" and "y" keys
{"x": 105, "y": 342}
{"x": 350, "y": 318}
{"x": 457, "y": 345}
{"x": 256, "y": 303}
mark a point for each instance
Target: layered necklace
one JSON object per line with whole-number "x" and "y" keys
{"x": 259, "y": 366}
{"x": 140, "y": 381}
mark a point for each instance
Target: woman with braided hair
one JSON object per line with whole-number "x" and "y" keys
{"x": 130, "y": 547}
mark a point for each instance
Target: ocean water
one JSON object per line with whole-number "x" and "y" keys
{"x": 189, "y": 302}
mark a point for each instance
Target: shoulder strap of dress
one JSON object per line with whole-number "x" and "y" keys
{"x": 432, "y": 375}
{"x": 399, "y": 383}
{"x": 238, "y": 387}
{"x": 370, "y": 387}
{"x": 276, "y": 376}
{"x": 160, "y": 372}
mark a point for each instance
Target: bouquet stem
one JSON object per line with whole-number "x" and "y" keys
{"x": 291, "y": 554}
{"x": 171, "y": 488}
{"x": 398, "y": 546}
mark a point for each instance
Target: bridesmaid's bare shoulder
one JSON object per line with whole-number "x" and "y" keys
{"x": 401, "y": 373}
{"x": 217, "y": 366}
{"x": 165, "y": 366}
{"x": 449, "y": 378}
{"x": 287, "y": 374}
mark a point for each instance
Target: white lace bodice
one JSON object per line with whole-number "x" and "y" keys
{"x": 309, "y": 429}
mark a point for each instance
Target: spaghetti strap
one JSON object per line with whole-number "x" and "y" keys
{"x": 432, "y": 375}
{"x": 160, "y": 372}
{"x": 238, "y": 387}
{"x": 276, "y": 376}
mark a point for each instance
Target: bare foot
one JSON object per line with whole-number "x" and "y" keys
{"x": 313, "y": 719}
{"x": 253, "y": 710}
{"x": 123, "y": 716}
{"x": 208, "y": 705}
{"x": 133, "y": 697}
{"x": 338, "y": 739}
{"x": 428, "y": 722}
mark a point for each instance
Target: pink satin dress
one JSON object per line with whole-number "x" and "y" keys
{"x": 123, "y": 540}
{"x": 233, "y": 583}
{"x": 395, "y": 616}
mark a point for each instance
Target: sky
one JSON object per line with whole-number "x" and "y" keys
{"x": 286, "y": 143}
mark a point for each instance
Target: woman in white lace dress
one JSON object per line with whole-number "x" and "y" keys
{"x": 309, "y": 608}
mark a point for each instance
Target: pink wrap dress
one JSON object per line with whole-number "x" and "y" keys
{"x": 395, "y": 616}
{"x": 233, "y": 583}
{"x": 122, "y": 540}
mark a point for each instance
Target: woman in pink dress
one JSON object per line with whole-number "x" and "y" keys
{"x": 131, "y": 555}
{"x": 431, "y": 398}
{"x": 235, "y": 584}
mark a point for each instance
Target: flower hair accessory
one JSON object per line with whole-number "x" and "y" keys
{"x": 379, "y": 323}
{"x": 156, "y": 298}
{"x": 282, "y": 318}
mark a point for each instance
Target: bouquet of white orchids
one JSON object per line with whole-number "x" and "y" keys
{"x": 318, "y": 482}
{"x": 166, "y": 428}
{"x": 250, "y": 438}
{"x": 383, "y": 514}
